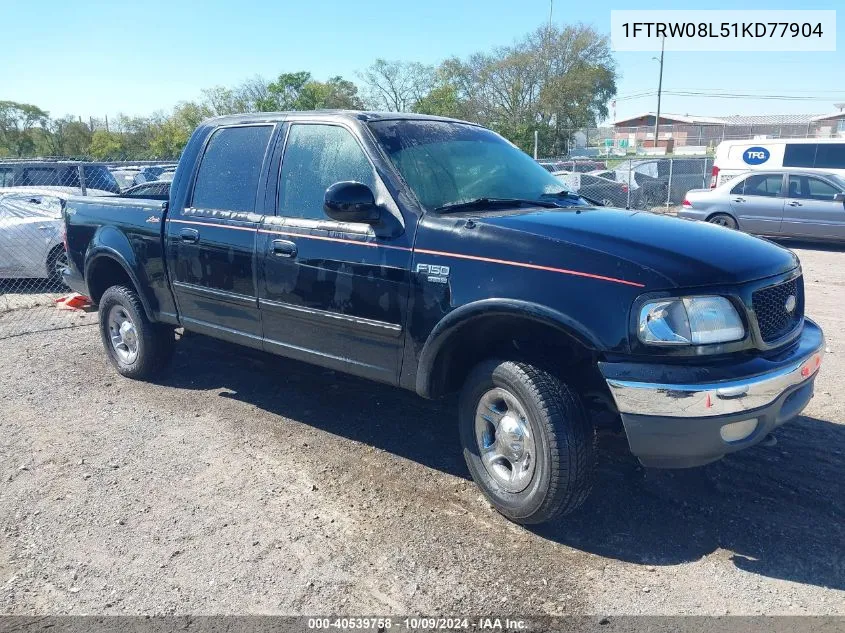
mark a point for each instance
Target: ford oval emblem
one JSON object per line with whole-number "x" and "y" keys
{"x": 790, "y": 304}
{"x": 755, "y": 155}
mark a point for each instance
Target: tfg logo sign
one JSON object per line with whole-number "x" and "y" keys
{"x": 755, "y": 155}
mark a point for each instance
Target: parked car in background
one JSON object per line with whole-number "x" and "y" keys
{"x": 167, "y": 175}
{"x": 125, "y": 176}
{"x": 778, "y": 203}
{"x": 808, "y": 154}
{"x": 91, "y": 179}
{"x": 652, "y": 190}
{"x": 152, "y": 172}
{"x": 30, "y": 233}
{"x": 155, "y": 190}
{"x": 676, "y": 175}
{"x": 609, "y": 193}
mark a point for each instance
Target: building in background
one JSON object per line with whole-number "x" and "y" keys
{"x": 699, "y": 133}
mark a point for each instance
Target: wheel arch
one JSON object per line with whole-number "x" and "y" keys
{"x": 106, "y": 267}
{"x": 480, "y": 329}
{"x": 714, "y": 213}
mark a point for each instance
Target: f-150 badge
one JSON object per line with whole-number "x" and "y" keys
{"x": 434, "y": 273}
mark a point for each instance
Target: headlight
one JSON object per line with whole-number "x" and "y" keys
{"x": 689, "y": 321}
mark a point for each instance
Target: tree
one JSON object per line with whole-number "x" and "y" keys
{"x": 396, "y": 86}
{"x": 66, "y": 137}
{"x": 554, "y": 81}
{"x": 106, "y": 145}
{"x": 17, "y": 124}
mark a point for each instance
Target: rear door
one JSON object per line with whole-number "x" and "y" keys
{"x": 757, "y": 203}
{"x": 211, "y": 242}
{"x": 332, "y": 293}
{"x": 811, "y": 211}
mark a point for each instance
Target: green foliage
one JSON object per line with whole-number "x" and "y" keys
{"x": 106, "y": 145}
{"x": 20, "y": 126}
{"x": 552, "y": 81}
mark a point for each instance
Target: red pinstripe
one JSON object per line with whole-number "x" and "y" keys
{"x": 478, "y": 258}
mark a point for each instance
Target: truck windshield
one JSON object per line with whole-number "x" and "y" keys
{"x": 447, "y": 163}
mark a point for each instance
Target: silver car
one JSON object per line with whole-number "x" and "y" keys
{"x": 777, "y": 203}
{"x": 30, "y": 233}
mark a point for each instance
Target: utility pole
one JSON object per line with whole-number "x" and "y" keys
{"x": 551, "y": 8}
{"x": 536, "y": 135}
{"x": 659, "y": 91}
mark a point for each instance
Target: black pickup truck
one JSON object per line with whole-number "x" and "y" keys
{"x": 434, "y": 255}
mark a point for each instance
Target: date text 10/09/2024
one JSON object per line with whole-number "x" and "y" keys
{"x": 418, "y": 623}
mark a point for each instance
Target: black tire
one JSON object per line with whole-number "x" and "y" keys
{"x": 154, "y": 342}
{"x": 723, "y": 219}
{"x": 56, "y": 262}
{"x": 564, "y": 441}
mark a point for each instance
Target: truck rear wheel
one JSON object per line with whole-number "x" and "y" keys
{"x": 527, "y": 440}
{"x": 137, "y": 347}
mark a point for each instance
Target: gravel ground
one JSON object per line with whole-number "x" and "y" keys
{"x": 244, "y": 483}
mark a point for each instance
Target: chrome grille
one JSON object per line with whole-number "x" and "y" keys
{"x": 770, "y": 307}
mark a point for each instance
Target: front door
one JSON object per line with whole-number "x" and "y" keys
{"x": 332, "y": 293}
{"x": 211, "y": 243}
{"x": 757, "y": 204}
{"x": 811, "y": 211}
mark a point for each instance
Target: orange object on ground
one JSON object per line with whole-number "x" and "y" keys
{"x": 75, "y": 301}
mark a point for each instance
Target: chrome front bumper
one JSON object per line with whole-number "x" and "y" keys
{"x": 693, "y": 420}
{"x": 724, "y": 397}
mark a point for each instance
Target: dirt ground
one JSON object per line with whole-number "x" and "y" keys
{"x": 244, "y": 483}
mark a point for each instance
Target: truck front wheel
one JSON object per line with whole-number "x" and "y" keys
{"x": 527, "y": 440}
{"x": 137, "y": 347}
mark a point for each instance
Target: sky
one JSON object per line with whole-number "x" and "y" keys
{"x": 91, "y": 58}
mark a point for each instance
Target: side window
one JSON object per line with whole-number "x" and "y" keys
{"x": 809, "y": 188}
{"x": 316, "y": 157}
{"x": 39, "y": 176}
{"x": 6, "y": 178}
{"x": 739, "y": 188}
{"x": 69, "y": 177}
{"x": 766, "y": 185}
{"x": 231, "y": 168}
{"x": 799, "y": 154}
{"x": 830, "y": 156}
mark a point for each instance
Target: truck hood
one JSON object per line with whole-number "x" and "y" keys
{"x": 686, "y": 253}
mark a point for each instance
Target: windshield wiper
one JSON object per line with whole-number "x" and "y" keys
{"x": 486, "y": 203}
{"x": 571, "y": 195}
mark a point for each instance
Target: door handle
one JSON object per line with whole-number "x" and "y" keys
{"x": 794, "y": 203}
{"x": 191, "y": 236}
{"x": 283, "y": 248}
{"x": 739, "y": 199}
{"x": 44, "y": 228}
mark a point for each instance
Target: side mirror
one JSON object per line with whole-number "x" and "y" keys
{"x": 839, "y": 197}
{"x": 351, "y": 201}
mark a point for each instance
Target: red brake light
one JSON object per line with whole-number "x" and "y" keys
{"x": 686, "y": 203}
{"x": 624, "y": 188}
{"x": 714, "y": 176}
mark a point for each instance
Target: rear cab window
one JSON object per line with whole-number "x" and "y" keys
{"x": 230, "y": 169}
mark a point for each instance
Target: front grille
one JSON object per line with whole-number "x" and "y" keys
{"x": 770, "y": 304}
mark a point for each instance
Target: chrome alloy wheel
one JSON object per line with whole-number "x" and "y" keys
{"x": 123, "y": 335}
{"x": 504, "y": 438}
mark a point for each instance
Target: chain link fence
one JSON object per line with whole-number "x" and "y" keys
{"x": 33, "y": 195}
{"x": 647, "y": 184}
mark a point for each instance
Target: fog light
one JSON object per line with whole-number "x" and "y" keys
{"x": 737, "y": 431}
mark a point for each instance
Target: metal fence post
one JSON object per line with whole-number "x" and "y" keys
{"x": 628, "y": 205}
{"x": 669, "y": 186}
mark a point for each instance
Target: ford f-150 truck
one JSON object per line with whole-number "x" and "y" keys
{"x": 434, "y": 255}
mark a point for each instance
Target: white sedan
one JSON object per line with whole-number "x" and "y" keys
{"x": 30, "y": 233}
